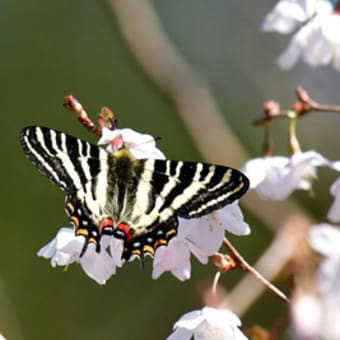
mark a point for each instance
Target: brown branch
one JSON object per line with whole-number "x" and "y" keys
{"x": 247, "y": 267}
{"x": 303, "y": 106}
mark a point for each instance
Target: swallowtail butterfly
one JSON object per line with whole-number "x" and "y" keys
{"x": 136, "y": 200}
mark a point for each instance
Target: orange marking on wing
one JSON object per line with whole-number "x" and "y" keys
{"x": 160, "y": 242}
{"x": 83, "y": 232}
{"x": 70, "y": 207}
{"x": 75, "y": 220}
{"x": 171, "y": 232}
{"x": 148, "y": 249}
{"x": 136, "y": 252}
{"x": 92, "y": 240}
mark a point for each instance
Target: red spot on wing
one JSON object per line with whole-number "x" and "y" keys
{"x": 126, "y": 230}
{"x": 106, "y": 222}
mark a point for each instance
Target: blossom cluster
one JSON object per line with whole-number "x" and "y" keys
{"x": 201, "y": 237}
{"x": 316, "y": 24}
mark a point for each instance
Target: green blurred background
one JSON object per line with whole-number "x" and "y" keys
{"x": 52, "y": 48}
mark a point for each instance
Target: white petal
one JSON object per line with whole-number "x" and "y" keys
{"x": 325, "y": 239}
{"x": 206, "y": 324}
{"x": 190, "y": 320}
{"x": 334, "y": 211}
{"x": 97, "y": 266}
{"x": 295, "y": 48}
{"x": 175, "y": 258}
{"x": 180, "y": 334}
{"x": 263, "y": 168}
{"x": 318, "y": 51}
{"x": 68, "y": 242}
{"x": 116, "y": 250}
{"x": 221, "y": 316}
{"x": 48, "y": 250}
{"x": 285, "y": 16}
{"x": 64, "y": 248}
{"x": 141, "y": 145}
{"x": 254, "y": 169}
{"x": 219, "y": 324}
{"x": 231, "y": 219}
{"x": 207, "y": 237}
{"x": 63, "y": 259}
{"x": 306, "y": 316}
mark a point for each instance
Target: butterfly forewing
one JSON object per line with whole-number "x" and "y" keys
{"x": 194, "y": 189}
{"x": 146, "y": 197}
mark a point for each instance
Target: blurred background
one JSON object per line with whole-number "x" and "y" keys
{"x": 88, "y": 49}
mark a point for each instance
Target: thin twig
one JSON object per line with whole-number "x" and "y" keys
{"x": 304, "y": 105}
{"x": 72, "y": 104}
{"x": 246, "y": 266}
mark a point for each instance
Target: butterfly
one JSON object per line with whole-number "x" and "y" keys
{"x": 136, "y": 200}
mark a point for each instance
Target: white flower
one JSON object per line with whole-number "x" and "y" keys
{"x": 334, "y": 211}
{"x": 66, "y": 247}
{"x": 207, "y": 324}
{"x": 277, "y": 177}
{"x": 141, "y": 145}
{"x": 325, "y": 239}
{"x": 264, "y": 173}
{"x": 306, "y": 316}
{"x": 287, "y": 14}
{"x": 317, "y": 42}
{"x": 202, "y": 237}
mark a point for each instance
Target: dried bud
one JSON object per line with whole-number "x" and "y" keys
{"x": 271, "y": 108}
{"x": 106, "y": 118}
{"x": 302, "y": 94}
{"x": 72, "y": 104}
{"x": 223, "y": 262}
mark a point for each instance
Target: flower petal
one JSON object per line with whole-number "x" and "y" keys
{"x": 175, "y": 258}
{"x": 325, "y": 239}
{"x": 98, "y": 266}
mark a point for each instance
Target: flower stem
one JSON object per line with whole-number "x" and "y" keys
{"x": 268, "y": 141}
{"x": 294, "y": 144}
{"x": 247, "y": 267}
{"x": 215, "y": 282}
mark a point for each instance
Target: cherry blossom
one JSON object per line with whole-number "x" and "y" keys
{"x": 66, "y": 247}
{"x": 277, "y": 177}
{"x": 325, "y": 238}
{"x": 201, "y": 237}
{"x": 288, "y": 14}
{"x": 141, "y": 145}
{"x": 317, "y": 42}
{"x": 334, "y": 211}
{"x": 208, "y": 323}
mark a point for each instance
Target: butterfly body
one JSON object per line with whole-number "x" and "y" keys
{"x": 138, "y": 201}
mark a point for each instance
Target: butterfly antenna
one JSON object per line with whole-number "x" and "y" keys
{"x": 153, "y": 139}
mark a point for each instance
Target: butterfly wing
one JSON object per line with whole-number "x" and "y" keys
{"x": 144, "y": 198}
{"x": 170, "y": 189}
{"x": 194, "y": 189}
{"x": 68, "y": 162}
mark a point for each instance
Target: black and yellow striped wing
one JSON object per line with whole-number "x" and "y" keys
{"x": 138, "y": 201}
